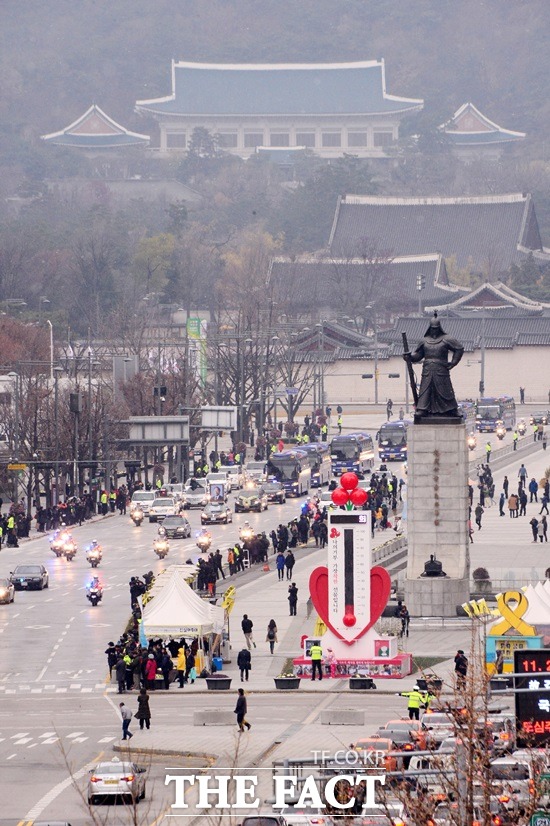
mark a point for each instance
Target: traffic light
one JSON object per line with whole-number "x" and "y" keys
{"x": 420, "y": 282}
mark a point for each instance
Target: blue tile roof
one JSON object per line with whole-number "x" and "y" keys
{"x": 279, "y": 89}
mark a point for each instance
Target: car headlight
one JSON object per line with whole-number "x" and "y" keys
{"x": 3, "y": 592}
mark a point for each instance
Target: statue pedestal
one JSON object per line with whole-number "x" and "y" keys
{"x": 437, "y": 516}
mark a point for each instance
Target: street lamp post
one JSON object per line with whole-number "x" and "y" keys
{"x": 15, "y": 378}
{"x": 420, "y": 284}
{"x": 57, "y": 371}
{"x": 49, "y": 323}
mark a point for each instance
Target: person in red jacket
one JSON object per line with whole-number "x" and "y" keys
{"x": 151, "y": 672}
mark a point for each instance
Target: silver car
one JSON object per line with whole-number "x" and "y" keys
{"x": 161, "y": 507}
{"x": 7, "y": 590}
{"x": 116, "y": 779}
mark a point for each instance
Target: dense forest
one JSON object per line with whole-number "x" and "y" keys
{"x": 95, "y": 258}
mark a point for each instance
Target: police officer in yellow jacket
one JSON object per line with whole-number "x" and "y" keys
{"x": 316, "y": 654}
{"x": 416, "y": 700}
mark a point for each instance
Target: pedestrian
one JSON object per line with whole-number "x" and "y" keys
{"x": 522, "y": 474}
{"x": 522, "y": 395}
{"x": 499, "y": 662}
{"x": 271, "y": 636}
{"x": 405, "y": 618}
{"x": 534, "y": 522}
{"x": 126, "y": 715}
{"x": 290, "y": 561}
{"x": 544, "y": 523}
{"x": 461, "y": 669}
{"x": 522, "y": 502}
{"x": 120, "y": 673}
{"x": 513, "y": 501}
{"x": 143, "y": 714}
{"x": 501, "y": 503}
{"x": 292, "y": 598}
{"x": 416, "y": 699}
{"x": 544, "y": 440}
{"x": 166, "y": 666}
{"x": 515, "y": 439}
{"x": 488, "y": 450}
{"x": 181, "y": 666}
{"x": 505, "y": 485}
{"x": 316, "y": 654}
{"x": 241, "y": 710}
{"x": 540, "y": 531}
{"x": 151, "y": 672}
{"x": 339, "y": 423}
{"x": 533, "y": 490}
{"x": 244, "y": 663}
{"x": 478, "y": 514}
{"x": 112, "y": 658}
{"x": 544, "y": 503}
{"x": 280, "y": 565}
{"x": 247, "y": 626}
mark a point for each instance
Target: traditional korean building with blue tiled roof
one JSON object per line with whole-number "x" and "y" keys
{"x": 93, "y": 131}
{"x": 330, "y": 108}
{"x": 472, "y": 135}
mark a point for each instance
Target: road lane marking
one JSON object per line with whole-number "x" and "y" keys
{"x": 47, "y": 734}
{"x": 56, "y": 790}
{"x": 21, "y": 734}
{"x": 11, "y": 756}
{"x": 74, "y": 734}
{"x": 22, "y": 741}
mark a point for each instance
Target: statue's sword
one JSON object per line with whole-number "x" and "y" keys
{"x": 412, "y": 378}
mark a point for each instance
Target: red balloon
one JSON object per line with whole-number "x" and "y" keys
{"x": 349, "y": 481}
{"x": 358, "y": 496}
{"x": 339, "y": 496}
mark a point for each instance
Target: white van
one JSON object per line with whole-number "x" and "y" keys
{"x": 142, "y": 499}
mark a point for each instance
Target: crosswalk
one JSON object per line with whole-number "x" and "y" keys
{"x": 28, "y": 740}
{"x": 57, "y": 689}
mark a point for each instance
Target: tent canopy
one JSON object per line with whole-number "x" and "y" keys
{"x": 177, "y": 611}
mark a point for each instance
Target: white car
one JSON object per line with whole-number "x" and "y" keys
{"x": 256, "y": 471}
{"x": 142, "y": 499}
{"x": 116, "y": 779}
{"x": 235, "y": 476}
{"x": 163, "y": 506}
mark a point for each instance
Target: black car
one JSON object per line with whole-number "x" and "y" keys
{"x": 216, "y": 513}
{"x": 175, "y": 527}
{"x": 540, "y": 417}
{"x": 29, "y": 577}
{"x": 275, "y": 492}
{"x": 251, "y": 499}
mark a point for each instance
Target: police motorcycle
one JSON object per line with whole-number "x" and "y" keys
{"x": 57, "y": 541}
{"x": 69, "y": 548}
{"x": 204, "y": 540}
{"x": 137, "y": 516}
{"x": 94, "y": 591}
{"x": 521, "y": 428}
{"x": 94, "y": 553}
{"x": 161, "y": 546}
{"x": 472, "y": 441}
{"x": 246, "y": 533}
{"x": 500, "y": 430}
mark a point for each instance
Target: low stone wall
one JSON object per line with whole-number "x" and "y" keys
{"x": 214, "y": 717}
{"x": 342, "y": 717}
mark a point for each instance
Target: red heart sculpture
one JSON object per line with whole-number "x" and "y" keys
{"x": 380, "y": 588}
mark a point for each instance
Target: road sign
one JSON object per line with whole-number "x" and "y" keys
{"x": 291, "y": 391}
{"x": 540, "y": 819}
{"x": 17, "y": 466}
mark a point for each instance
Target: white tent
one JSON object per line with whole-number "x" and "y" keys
{"x": 182, "y": 570}
{"x": 177, "y": 611}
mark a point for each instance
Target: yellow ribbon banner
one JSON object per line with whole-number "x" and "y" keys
{"x": 511, "y": 617}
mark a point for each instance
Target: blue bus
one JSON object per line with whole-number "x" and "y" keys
{"x": 293, "y": 469}
{"x": 353, "y": 451}
{"x": 318, "y": 454}
{"x": 392, "y": 440}
{"x": 494, "y": 409}
{"x": 467, "y": 410}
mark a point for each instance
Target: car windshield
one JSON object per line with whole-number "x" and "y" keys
{"x": 393, "y": 435}
{"x": 397, "y": 725}
{"x": 270, "y": 486}
{"x": 115, "y": 768}
{"x": 4, "y": 583}
{"x": 250, "y": 492}
{"x": 143, "y": 496}
{"x": 164, "y": 502}
{"x": 28, "y": 569}
{"x": 344, "y": 449}
{"x": 261, "y": 821}
{"x": 488, "y": 411}
{"x": 437, "y": 720}
{"x": 173, "y": 521}
{"x": 511, "y": 771}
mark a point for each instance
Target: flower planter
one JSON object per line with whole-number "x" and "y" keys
{"x": 501, "y": 683}
{"x": 221, "y": 683}
{"x": 361, "y": 683}
{"x": 287, "y": 683}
